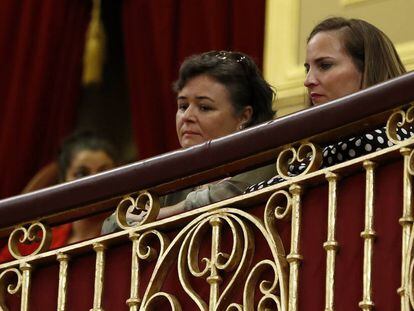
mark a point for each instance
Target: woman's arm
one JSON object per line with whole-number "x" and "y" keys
{"x": 171, "y": 210}
{"x": 205, "y": 195}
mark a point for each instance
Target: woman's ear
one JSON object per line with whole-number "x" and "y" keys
{"x": 246, "y": 116}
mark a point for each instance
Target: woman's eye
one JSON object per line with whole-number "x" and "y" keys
{"x": 204, "y": 107}
{"x": 81, "y": 172}
{"x": 325, "y": 66}
{"x": 307, "y": 68}
{"x": 182, "y": 106}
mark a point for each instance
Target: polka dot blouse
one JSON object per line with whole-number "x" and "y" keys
{"x": 343, "y": 151}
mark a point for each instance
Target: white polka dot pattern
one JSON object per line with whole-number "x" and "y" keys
{"x": 341, "y": 151}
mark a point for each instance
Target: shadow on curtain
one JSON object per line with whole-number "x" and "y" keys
{"x": 41, "y": 49}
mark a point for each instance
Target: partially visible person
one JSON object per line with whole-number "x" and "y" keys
{"x": 218, "y": 93}
{"x": 82, "y": 154}
{"x": 85, "y": 154}
{"x": 344, "y": 56}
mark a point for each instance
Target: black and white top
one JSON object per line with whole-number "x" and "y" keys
{"x": 341, "y": 151}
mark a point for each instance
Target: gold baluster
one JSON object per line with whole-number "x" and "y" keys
{"x": 294, "y": 258}
{"x": 63, "y": 260}
{"x": 99, "y": 276}
{"x": 406, "y": 222}
{"x": 331, "y": 245}
{"x": 134, "y": 301}
{"x": 26, "y": 269}
{"x": 214, "y": 279}
{"x": 369, "y": 236}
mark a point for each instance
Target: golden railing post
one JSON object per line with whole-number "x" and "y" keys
{"x": 26, "y": 269}
{"x": 368, "y": 235}
{"x": 134, "y": 300}
{"x": 63, "y": 260}
{"x": 99, "y": 276}
{"x": 214, "y": 279}
{"x": 294, "y": 258}
{"x": 331, "y": 245}
{"x": 406, "y": 222}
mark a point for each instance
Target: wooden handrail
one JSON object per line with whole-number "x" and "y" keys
{"x": 210, "y": 160}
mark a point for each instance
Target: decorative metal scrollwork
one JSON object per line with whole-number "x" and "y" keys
{"x": 5, "y": 277}
{"x": 278, "y": 206}
{"x": 307, "y": 155}
{"x": 142, "y": 250}
{"x": 135, "y": 212}
{"x": 159, "y": 297}
{"x": 148, "y": 253}
{"x": 36, "y": 233}
{"x": 235, "y": 307}
{"x": 269, "y": 289}
{"x": 201, "y": 252}
{"x": 399, "y": 119}
{"x": 235, "y": 262}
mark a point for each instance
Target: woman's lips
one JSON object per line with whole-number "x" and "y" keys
{"x": 315, "y": 95}
{"x": 190, "y": 133}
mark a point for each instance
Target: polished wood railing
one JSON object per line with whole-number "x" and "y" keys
{"x": 335, "y": 238}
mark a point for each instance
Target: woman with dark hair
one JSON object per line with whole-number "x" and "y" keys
{"x": 218, "y": 93}
{"x": 344, "y": 56}
{"x": 81, "y": 154}
{"x": 84, "y": 154}
{"x": 239, "y": 75}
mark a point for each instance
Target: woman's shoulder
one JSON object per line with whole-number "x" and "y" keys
{"x": 256, "y": 175}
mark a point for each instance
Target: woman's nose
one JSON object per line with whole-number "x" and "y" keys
{"x": 189, "y": 114}
{"x": 310, "y": 79}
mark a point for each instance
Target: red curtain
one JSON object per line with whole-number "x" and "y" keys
{"x": 41, "y": 46}
{"x": 159, "y": 34}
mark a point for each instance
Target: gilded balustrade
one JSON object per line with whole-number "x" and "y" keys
{"x": 217, "y": 244}
{"x": 331, "y": 245}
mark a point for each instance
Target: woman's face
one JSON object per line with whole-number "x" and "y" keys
{"x": 331, "y": 72}
{"x": 205, "y": 112}
{"x": 88, "y": 162}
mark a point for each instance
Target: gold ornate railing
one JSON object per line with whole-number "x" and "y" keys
{"x": 333, "y": 238}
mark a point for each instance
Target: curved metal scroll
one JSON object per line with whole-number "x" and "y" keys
{"x": 132, "y": 212}
{"x": 308, "y": 154}
{"x": 36, "y": 233}
{"x": 399, "y": 119}
{"x": 5, "y": 277}
{"x": 159, "y": 297}
{"x": 142, "y": 250}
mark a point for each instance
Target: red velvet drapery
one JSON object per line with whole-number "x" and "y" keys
{"x": 159, "y": 34}
{"x": 41, "y": 46}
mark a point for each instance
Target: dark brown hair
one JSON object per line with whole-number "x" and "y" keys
{"x": 79, "y": 141}
{"x": 239, "y": 74}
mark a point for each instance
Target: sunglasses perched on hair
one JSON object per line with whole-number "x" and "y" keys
{"x": 237, "y": 57}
